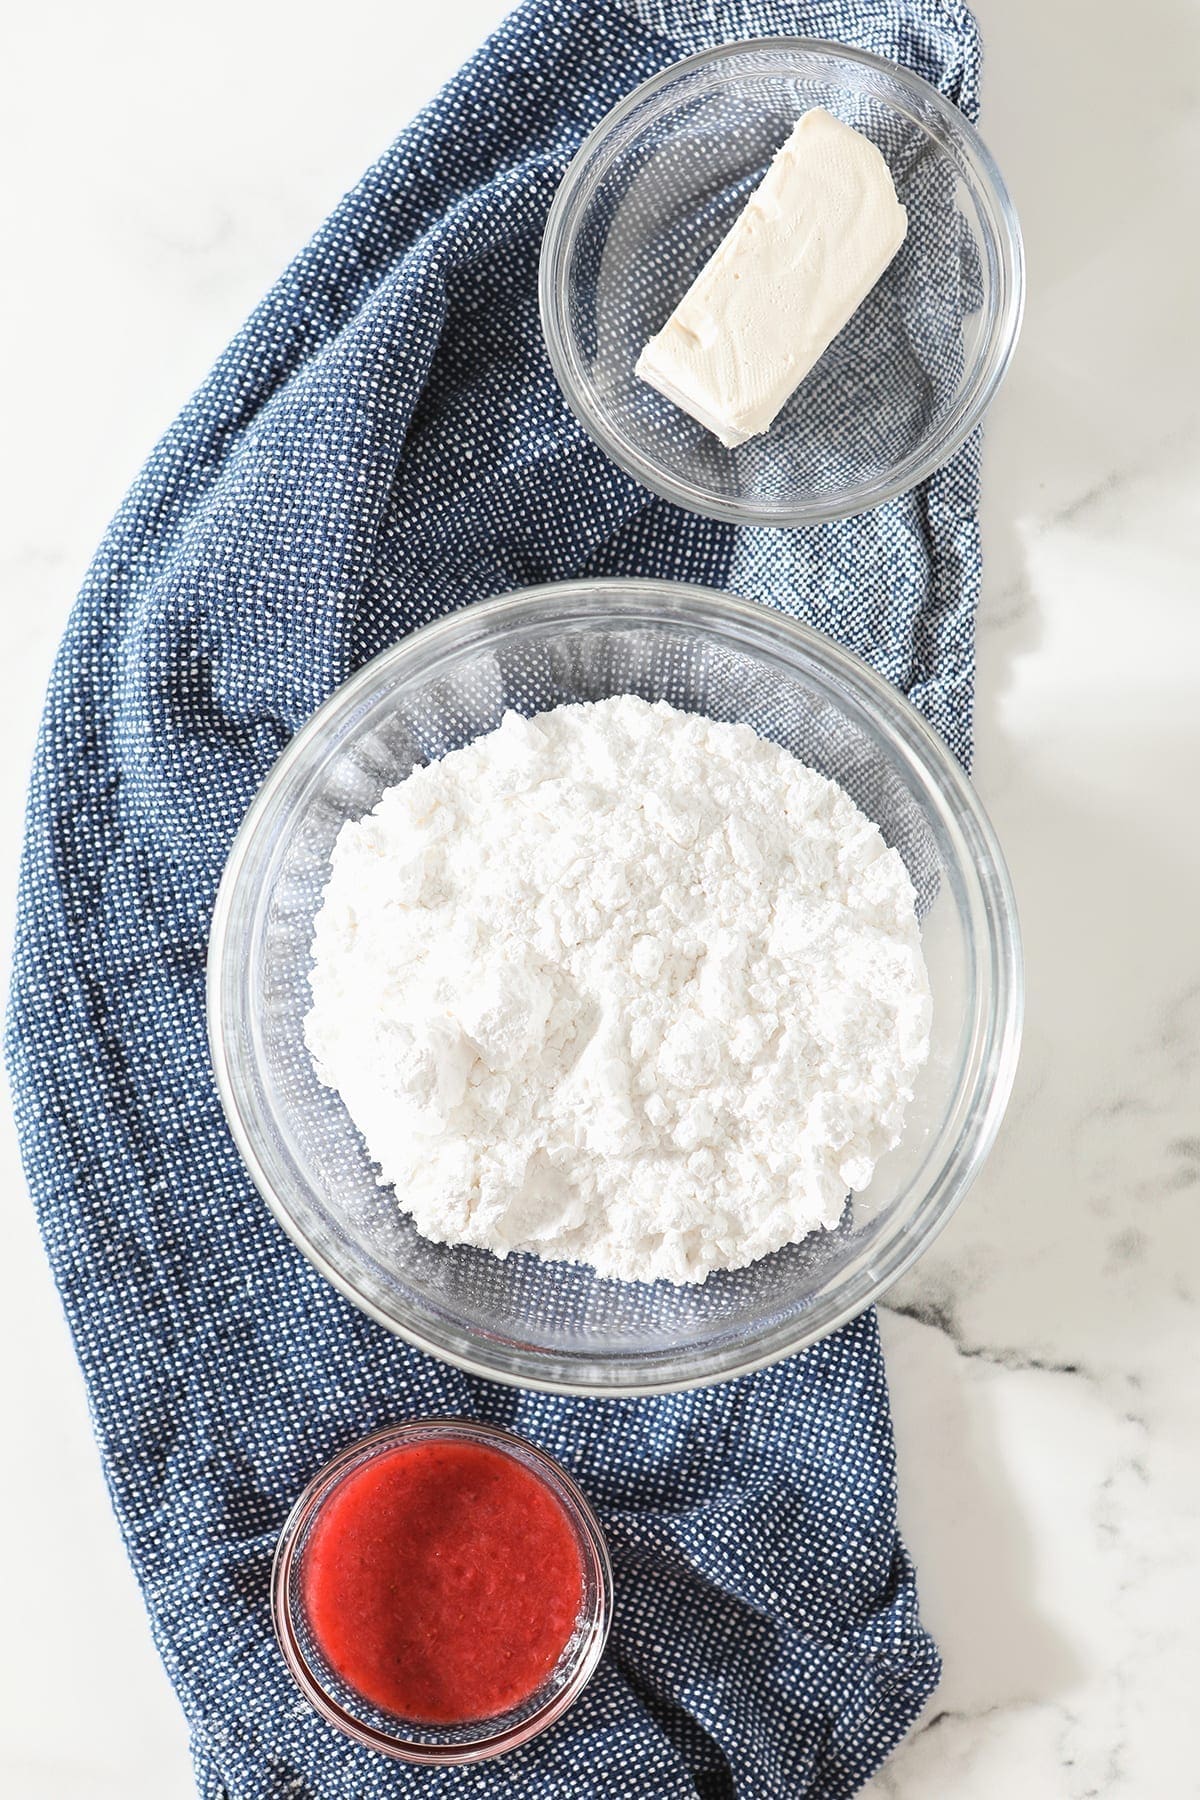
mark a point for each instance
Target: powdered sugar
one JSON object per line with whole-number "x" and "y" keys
{"x": 623, "y": 986}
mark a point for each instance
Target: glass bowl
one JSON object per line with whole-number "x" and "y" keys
{"x": 407, "y": 1739}
{"x": 652, "y": 192}
{"x": 558, "y": 1325}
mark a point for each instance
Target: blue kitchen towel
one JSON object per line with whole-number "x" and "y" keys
{"x": 384, "y": 442}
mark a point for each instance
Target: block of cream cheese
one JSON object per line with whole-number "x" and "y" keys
{"x": 802, "y": 256}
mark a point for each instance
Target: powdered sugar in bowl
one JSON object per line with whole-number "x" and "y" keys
{"x": 620, "y": 985}
{"x": 558, "y": 1324}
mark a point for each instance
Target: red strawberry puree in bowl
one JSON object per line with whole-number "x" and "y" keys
{"x": 443, "y": 1581}
{"x": 442, "y": 1591}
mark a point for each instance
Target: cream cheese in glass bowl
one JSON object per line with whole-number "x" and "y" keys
{"x": 656, "y": 187}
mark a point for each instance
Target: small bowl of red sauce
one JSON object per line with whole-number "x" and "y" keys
{"x": 442, "y": 1591}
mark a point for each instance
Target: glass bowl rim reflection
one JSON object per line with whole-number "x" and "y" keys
{"x": 594, "y": 1555}
{"x": 1003, "y": 244}
{"x": 983, "y": 1080}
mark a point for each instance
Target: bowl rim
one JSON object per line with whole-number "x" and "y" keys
{"x": 1006, "y": 246}
{"x": 492, "y": 1740}
{"x": 998, "y": 1014}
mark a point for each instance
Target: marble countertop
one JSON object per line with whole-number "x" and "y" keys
{"x": 1042, "y": 1357}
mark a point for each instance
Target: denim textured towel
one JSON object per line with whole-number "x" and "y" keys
{"x": 381, "y": 443}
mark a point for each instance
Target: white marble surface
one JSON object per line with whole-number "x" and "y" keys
{"x": 166, "y": 163}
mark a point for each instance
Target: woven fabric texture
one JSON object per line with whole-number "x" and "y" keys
{"x": 381, "y": 443}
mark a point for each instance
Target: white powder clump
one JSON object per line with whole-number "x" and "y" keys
{"x": 622, "y": 986}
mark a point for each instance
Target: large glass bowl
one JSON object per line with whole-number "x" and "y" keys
{"x": 558, "y": 1325}
{"x": 650, "y": 195}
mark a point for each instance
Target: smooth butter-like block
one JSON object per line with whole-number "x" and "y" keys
{"x": 806, "y": 250}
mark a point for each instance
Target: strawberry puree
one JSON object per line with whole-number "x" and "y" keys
{"x": 442, "y": 1580}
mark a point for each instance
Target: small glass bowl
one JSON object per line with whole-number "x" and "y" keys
{"x": 653, "y": 191}
{"x": 406, "y": 1739}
